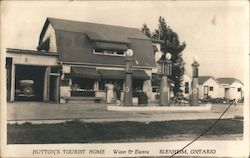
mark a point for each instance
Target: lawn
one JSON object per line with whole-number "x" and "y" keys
{"x": 82, "y": 132}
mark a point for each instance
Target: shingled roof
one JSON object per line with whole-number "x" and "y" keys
{"x": 203, "y": 79}
{"x": 98, "y": 31}
{"x": 75, "y": 40}
{"x": 228, "y": 80}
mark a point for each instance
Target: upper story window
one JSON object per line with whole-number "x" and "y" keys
{"x": 109, "y": 52}
{"x": 109, "y": 48}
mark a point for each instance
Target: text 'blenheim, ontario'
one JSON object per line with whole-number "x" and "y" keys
{"x": 172, "y": 151}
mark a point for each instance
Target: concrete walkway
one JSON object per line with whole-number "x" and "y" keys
{"x": 39, "y": 112}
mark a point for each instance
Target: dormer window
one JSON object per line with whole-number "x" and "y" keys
{"x": 109, "y": 52}
{"x": 108, "y": 44}
{"x": 109, "y": 48}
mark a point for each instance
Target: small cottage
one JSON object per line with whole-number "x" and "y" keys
{"x": 208, "y": 87}
{"x": 230, "y": 88}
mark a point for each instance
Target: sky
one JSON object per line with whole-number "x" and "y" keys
{"x": 214, "y": 31}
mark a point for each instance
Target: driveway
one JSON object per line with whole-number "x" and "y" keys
{"x": 39, "y": 112}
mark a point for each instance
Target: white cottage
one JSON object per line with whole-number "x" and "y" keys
{"x": 230, "y": 88}
{"x": 208, "y": 87}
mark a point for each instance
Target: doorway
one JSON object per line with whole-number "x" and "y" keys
{"x": 206, "y": 90}
{"x": 54, "y": 88}
{"x": 29, "y": 81}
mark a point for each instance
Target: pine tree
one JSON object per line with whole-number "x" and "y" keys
{"x": 173, "y": 46}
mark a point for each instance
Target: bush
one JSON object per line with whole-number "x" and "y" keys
{"x": 214, "y": 100}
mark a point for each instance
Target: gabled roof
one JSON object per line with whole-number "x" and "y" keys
{"x": 203, "y": 79}
{"x": 100, "y": 32}
{"x": 76, "y": 40}
{"x": 228, "y": 80}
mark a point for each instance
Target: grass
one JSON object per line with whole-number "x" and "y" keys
{"x": 82, "y": 132}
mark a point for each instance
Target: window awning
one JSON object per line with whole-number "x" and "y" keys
{"x": 85, "y": 72}
{"x": 107, "y": 37}
{"x": 112, "y": 74}
{"x": 140, "y": 74}
{"x": 109, "y": 46}
{"x": 119, "y": 74}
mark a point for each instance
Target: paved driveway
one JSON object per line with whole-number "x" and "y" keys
{"x": 39, "y": 112}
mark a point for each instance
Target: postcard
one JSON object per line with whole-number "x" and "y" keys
{"x": 124, "y": 78}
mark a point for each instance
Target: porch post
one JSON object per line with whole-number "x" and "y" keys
{"x": 46, "y": 85}
{"x": 13, "y": 83}
{"x": 57, "y": 92}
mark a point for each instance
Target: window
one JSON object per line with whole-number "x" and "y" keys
{"x": 82, "y": 83}
{"x": 137, "y": 85}
{"x": 211, "y": 88}
{"x": 186, "y": 87}
{"x": 102, "y": 84}
{"x": 155, "y": 88}
{"x": 239, "y": 89}
{"x": 109, "y": 52}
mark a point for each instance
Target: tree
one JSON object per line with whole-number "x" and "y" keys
{"x": 146, "y": 30}
{"x": 173, "y": 46}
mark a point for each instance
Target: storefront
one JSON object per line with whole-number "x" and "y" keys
{"x": 92, "y": 81}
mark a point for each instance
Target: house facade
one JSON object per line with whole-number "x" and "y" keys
{"x": 77, "y": 59}
{"x": 208, "y": 87}
{"x": 231, "y": 88}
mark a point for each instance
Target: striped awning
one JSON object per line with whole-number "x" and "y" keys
{"x": 84, "y": 72}
{"x": 140, "y": 74}
{"x": 112, "y": 74}
{"x": 119, "y": 74}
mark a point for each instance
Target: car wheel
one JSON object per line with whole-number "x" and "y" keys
{"x": 28, "y": 91}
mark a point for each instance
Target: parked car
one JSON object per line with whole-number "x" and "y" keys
{"x": 26, "y": 88}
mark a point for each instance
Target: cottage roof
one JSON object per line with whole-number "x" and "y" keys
{"x": 75, "y": 41}
{"x": 228, "y": 80}
{"x": 203, "y": 79}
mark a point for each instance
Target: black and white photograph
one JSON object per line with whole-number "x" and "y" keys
{"x": 124, "y": 78}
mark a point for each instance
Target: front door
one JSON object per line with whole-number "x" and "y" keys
{"x": 206, "y": 90}
{"x": 227, "y": 93}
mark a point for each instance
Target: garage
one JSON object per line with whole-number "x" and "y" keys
{"x": 32, "y": 76}
{"x": 29, "y": 83}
